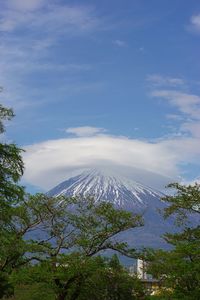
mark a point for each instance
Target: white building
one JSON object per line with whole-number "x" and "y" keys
{"x": 141, "y": 266}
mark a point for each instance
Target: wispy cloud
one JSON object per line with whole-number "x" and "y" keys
{"x": 158, "y": 81}
{"x": 25, "y": 6}
{"x": 85, "y": 131}
{"x": 186, "y": 103}
{"x": 195, "y": 23}
{"x": 174, "y": 117}
{"x": 186, "y": 121}
{"x": 54, "y": 18}
{"x": 192, "y": 128}
{"x": 119, "y": 43}
{"x": 31, "y": 31}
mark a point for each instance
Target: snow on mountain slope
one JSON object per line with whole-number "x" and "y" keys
{"x": 125, "y": 194}
{"x": 110, "y": 187}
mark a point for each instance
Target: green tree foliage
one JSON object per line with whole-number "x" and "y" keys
{"x": 11, "y": 169}
{"x": 81, "y": 227}
{"x": 96, "y": 278}
{"x": 45, "y": 230}
{"x": 179, "y": 269}
{"x": 18, "y": 216}
{"x": 6, "y": 288}
{"x": 185, "y": 201}
{"x": 59, "y": 226}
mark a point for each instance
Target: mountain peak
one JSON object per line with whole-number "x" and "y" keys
{"x": 124, "y": 193}
{"x": 108, "y": 186}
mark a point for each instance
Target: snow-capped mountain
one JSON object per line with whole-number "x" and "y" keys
{"x": 110, "y": 187}
{"x": 125, "y": 194}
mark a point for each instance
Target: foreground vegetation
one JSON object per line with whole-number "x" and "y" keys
{"x": 179, "y": 269}
{"x": 51, "y": 248}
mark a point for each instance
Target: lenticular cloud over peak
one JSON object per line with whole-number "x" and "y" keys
{"x": 52, "y": 161}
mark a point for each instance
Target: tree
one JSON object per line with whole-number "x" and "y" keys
{"x": 59, "y": 233}
{"x": 179, "y": 269}
{"x": 81, "y": 227}
{"x": 113, "y": 282}
{"x": 97, "y": 278}
{"x": 11, "y": 169}
{"x": 18, "y": 216}
{"x": 185, "y": 202}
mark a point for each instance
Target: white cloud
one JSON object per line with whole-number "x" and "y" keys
{"x": 7, "y": 24}
{"x": 186, "y": 103}
{"x": 32, "y": 55}
{"x": 158, "y": 80}
{"x": 120, "y": 43}
{"x": 25, "y": 5}
{"x": 11, "y": 20}
{"x": 50, "y": 162}
{"x": 195, "y": 22}
{"x": 191, "y": 127}
{"x": 55, "y": 18}
{"x": 73, "y": 19}
{"x": 27, "y": 58}
{"x": 85, "y": 131}
{"x": 174, "y": 117}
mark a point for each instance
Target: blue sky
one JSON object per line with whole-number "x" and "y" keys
{"x": 97, "y": 83}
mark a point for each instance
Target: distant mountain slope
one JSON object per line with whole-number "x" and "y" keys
{"x": 125, "y": 194}
{"x": 122, "y": 192}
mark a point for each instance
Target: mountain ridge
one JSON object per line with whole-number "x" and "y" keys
{"x": 122, "y": 192}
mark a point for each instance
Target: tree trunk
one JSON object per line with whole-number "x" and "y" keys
{"x": 64, "y": 288}
{"x": 61, "y": 296}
